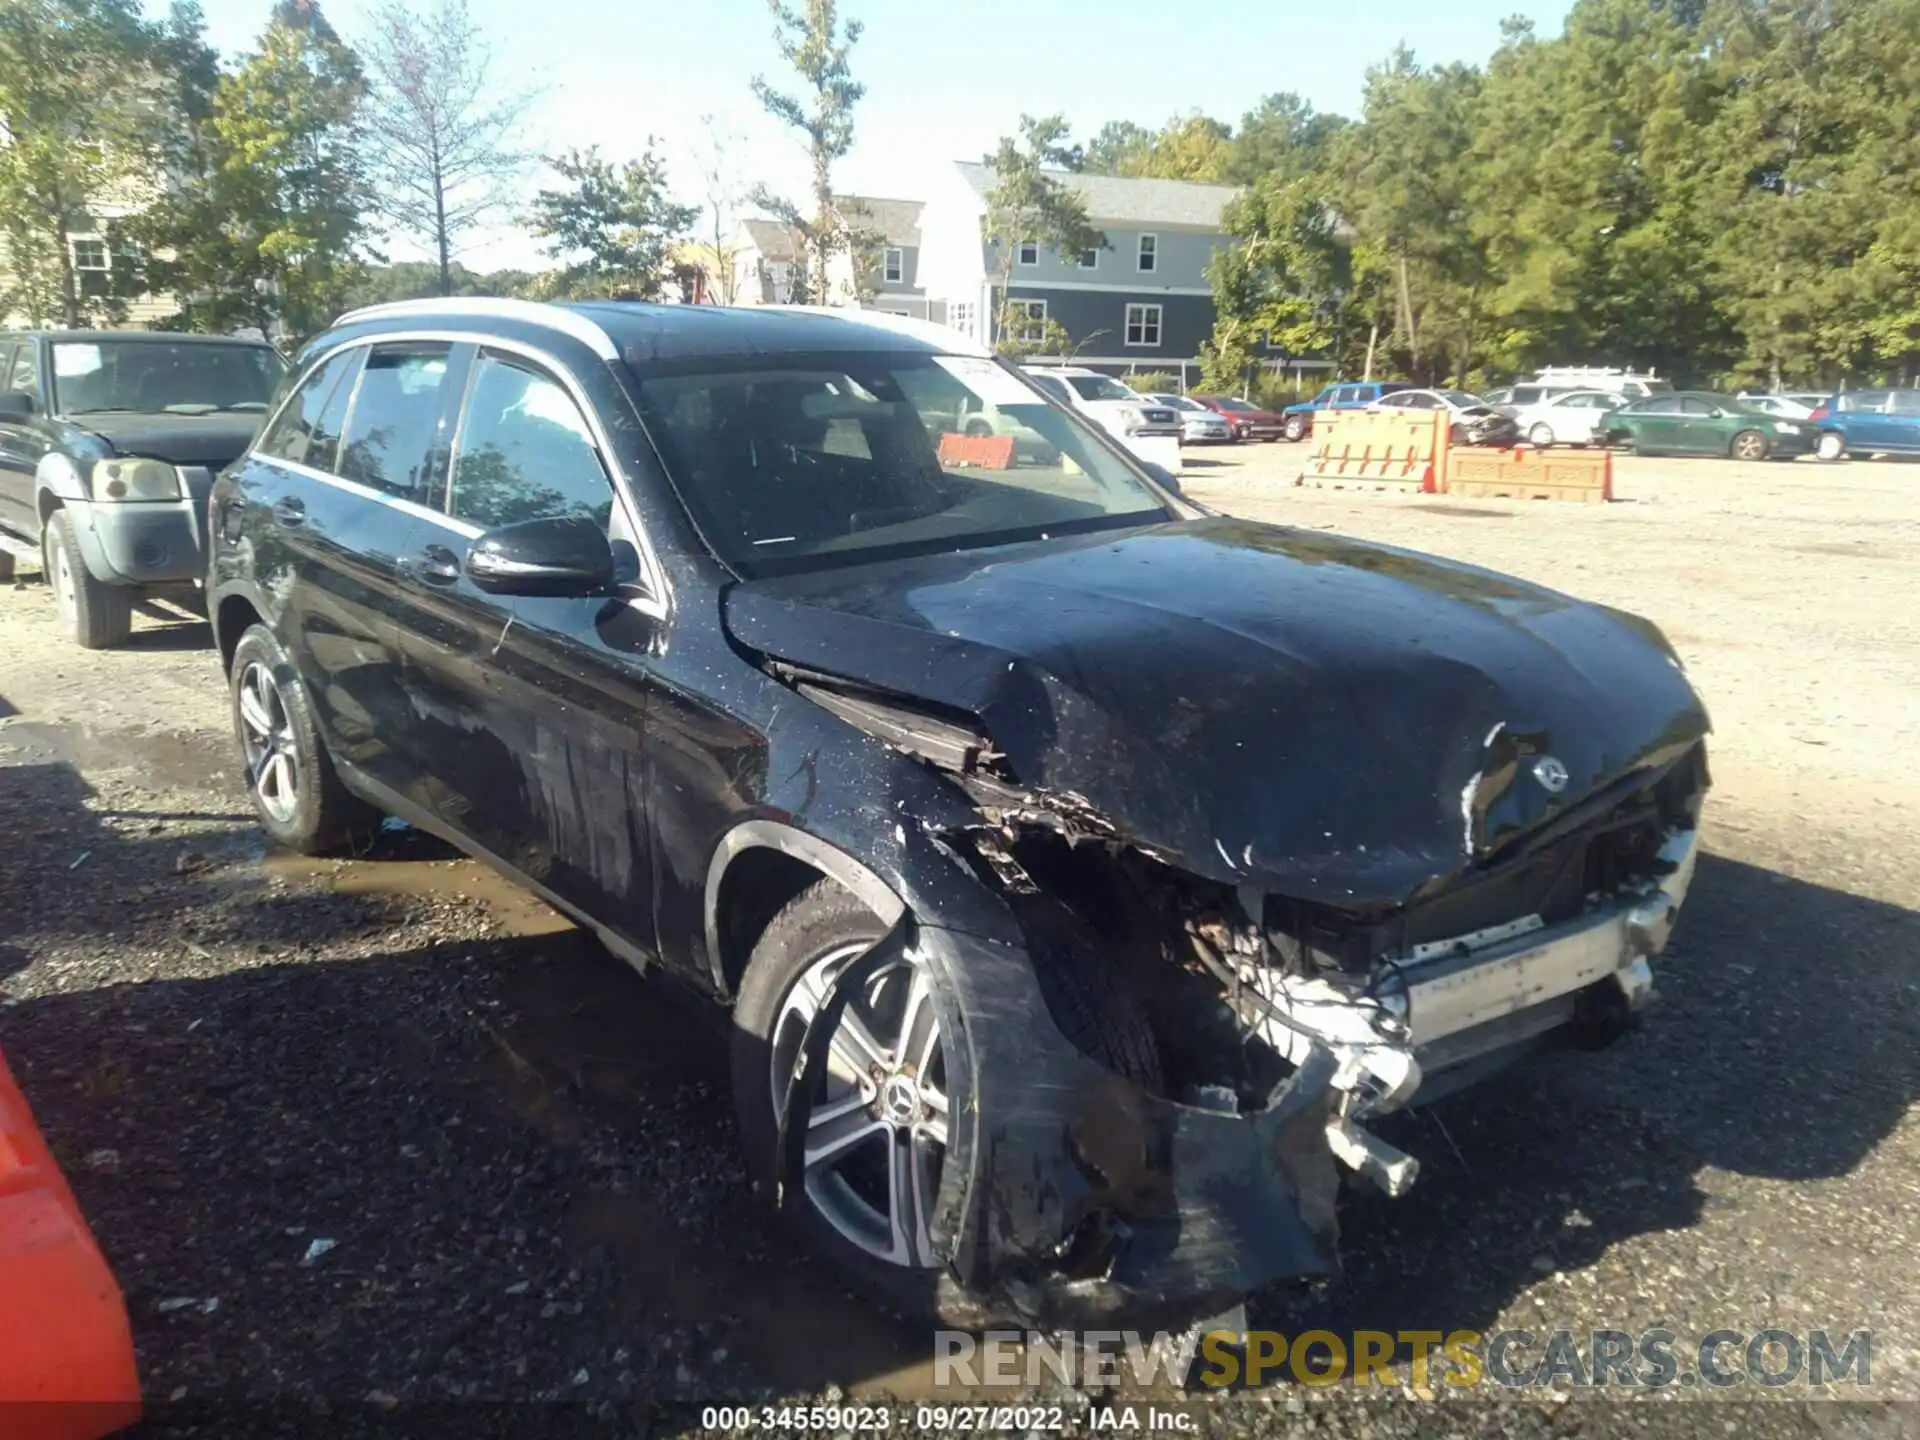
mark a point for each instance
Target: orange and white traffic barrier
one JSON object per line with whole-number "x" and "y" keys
{"x": 66, "y": 1354}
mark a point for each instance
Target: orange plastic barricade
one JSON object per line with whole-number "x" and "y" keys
{"x": 983, "y": 452}
{"x": 66, "y": 1355}
{"x": 1523, "y": 473}
{"x": 1376, "y": 450}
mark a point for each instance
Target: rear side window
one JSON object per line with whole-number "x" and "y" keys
{"x": 307, "y": 430}
{"x": 1346, "y": 394}
{"x": 1054, "y": 388}
{"x": 394, "y": 420}
{"x": 524, "y": 452}
{"x": 1526, "y": 394}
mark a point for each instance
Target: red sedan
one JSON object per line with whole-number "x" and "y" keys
{"x": 1248, "y": 420}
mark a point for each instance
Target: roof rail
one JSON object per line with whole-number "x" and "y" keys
{"x": 906, "y": 325}
{"x": 533, "y": 312}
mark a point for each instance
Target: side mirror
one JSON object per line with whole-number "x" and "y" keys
{"x": 570, "y": 556}
{"x": 1717, "y": 414}
{"x": 16, "y": 405}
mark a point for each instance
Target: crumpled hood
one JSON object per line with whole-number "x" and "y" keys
{"x": 1333, "y": 720}
{"x": 214, "y": 441}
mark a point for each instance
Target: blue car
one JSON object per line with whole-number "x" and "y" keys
{"x": 1868, "y": 422}
{"x": 1347, "y": 395}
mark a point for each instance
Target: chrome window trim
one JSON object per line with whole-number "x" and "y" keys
{"x": 658, "y": 599}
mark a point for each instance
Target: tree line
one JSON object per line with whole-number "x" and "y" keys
{"x": 260, "y": 193}
{"x": 1727, "y": 191}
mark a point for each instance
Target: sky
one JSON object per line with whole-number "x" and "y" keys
{"x": 616, "y": 72}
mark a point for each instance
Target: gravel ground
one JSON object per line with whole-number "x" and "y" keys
{"x": 385, "y": 1132}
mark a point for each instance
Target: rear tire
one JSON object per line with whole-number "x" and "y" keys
{"x": 1748, "y": 445}
{"x": 296, "y": 793}
{"x": 1540, "y": 436}
{"x": 92, "y": 615}
{"x": 1830, "y": 446}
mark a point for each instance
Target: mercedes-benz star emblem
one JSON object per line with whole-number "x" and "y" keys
{"x": 1551, "y": 774}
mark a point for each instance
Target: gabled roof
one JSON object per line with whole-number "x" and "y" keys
{"x": 1128, "y": 199}
{"x": 773, "y": 240}
{"x": 896, "y": 221}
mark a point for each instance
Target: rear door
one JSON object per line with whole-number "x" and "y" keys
{"x": 1697, "y": 432}
{"x": 342, "y": 514}
{"x": 530, "y": 710}
{"x": 1655, "y": 424}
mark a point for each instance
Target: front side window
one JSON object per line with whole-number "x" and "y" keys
{"x": 894, "y": 269}
{"x": 1691, "y": 406}
{"x": 524, "y": 452}
{"x": 24, "y": 373}
{"x": 307, "y": 429}
{"x": 1666, "y": 405}
{"x": 156, "y": 376}
{"x": 1149, "y": 253}
{"x": 831, "y": 459}
{"x": 394, "y": 420}
{"x": 1143, "y": 324}
{"x": 1053, "y": 387}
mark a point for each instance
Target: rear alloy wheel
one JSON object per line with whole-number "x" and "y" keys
{"x": 1749, "y": 445}
{"x": 1830, "y": 446}
{"x": 1296, "y": 427}
{"x": 92, "y": 615}
{"x": 290, "y": 778}
{"x": 1540, "y": 436}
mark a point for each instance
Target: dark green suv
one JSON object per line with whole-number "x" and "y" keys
{"x": 109, "y": 442}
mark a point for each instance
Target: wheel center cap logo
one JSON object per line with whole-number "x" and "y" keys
{"x": 900, "y": 1099}
{"x": 1551, "y": 774}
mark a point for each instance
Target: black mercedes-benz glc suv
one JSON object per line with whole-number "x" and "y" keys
{"x": 1081, "y": 868}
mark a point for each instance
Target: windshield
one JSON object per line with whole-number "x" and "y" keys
{"x": 841, "y": 459}
{"x": 1458, "y": 399}
{"x": 1228, "y": 403}
{"x": 1099, "y": 387}
{"x": 1177, "y": 402}
{"x": 156, "y": 377}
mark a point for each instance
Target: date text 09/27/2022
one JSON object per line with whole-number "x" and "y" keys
{"x": 977, "y": 1419}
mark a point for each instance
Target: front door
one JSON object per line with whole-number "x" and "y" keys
{"x": 1699, "y": 431}
{"x": 22, "y": 442}
{"x": 1656, "y": 423}
{"x": 530, "y": 711}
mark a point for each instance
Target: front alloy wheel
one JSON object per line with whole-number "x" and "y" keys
{"x": 877, "y": 1132}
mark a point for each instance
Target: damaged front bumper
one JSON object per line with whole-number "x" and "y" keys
{"x": 1073, "y": 1196}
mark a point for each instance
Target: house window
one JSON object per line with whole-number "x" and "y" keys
{"x": 1149, "y": 253}
{"x": 1030, "y": 320}
{"x": 1090, "y": 258}
{"x": 960, "y": 316}
{"x": 1143, "y": 324}
{"x": 780, "y": 275}
{"x": 90, "y": 253}
{"x": 1028, "y": 253}
{"x": 894, "y": 270}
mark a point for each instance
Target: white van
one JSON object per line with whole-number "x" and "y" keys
{"x": 1624, "y": 383}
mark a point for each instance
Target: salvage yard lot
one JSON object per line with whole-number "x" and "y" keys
{"x": 524, "y": 1155}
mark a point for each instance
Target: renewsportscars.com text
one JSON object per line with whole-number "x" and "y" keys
{"x": 1515, "y": 1359}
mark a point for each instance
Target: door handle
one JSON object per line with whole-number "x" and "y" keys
{"x": 290, "y": 510}
{"x": 434, "y": 565}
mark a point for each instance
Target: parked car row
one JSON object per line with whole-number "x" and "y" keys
{"x": 655, "y": 609}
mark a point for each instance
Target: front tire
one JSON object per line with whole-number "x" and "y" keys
{"x": 1830, "y": 446}
{"x": 1296, "y": 427}
{"x": 877, "y": 1136}
{"x": 1749, "y": 445}
{"x": 92, "y": 615}
{"x": 298, "y": 797}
